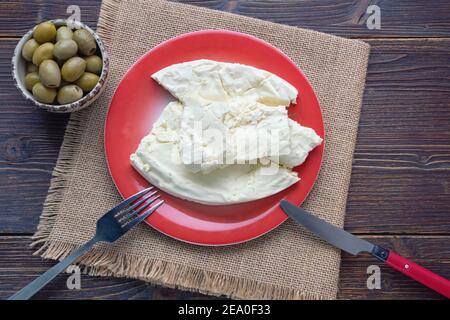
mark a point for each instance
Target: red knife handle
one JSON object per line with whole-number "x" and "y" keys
{"x": 418, "y": 273}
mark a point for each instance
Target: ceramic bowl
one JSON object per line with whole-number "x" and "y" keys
{"x": 19, "y": 71}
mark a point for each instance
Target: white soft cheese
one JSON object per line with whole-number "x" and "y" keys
{"x": 243, "y": 106}
{"x": 233, "y": 132}
{"x": 158, "y": 160}
{"x": 229, "y": 139}
{"x": 302, "y": 141}
{"x": 206, "y": 81}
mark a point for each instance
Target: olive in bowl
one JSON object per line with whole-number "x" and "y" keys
{"x": 60, "y": 67}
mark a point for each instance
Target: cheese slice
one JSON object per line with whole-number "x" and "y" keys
{"x": 158, "y": 160}
{"x": 302, "y": 141}
{"x": 206, "y": 81}
{"x": 234, "y": 132}
{"x": 228, "y": 139}
{"x": 233, "y": 113}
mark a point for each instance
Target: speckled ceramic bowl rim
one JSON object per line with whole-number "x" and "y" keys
{"x": 74, "y": 106}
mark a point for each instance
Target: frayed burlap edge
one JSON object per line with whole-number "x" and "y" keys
{"x": 96, "y": 263}
{"x": 100, "y": 263}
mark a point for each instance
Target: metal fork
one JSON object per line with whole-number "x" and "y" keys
{"x": 114, "y": 224}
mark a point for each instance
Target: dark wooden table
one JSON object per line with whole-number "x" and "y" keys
{"x": 400, "y": 188}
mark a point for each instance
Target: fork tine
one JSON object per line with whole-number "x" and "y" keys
{"x": 132, "y": 213}
{"x": 131, "y": 199}
{"x": 142, "y": 217}
{"x": 135, "y": 205}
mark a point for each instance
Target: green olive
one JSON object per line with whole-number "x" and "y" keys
{"x": 73, "y": 68}
{"x": 69, "y": 94}
{"x": 31, "y": 79}
{"x": 43, "y": 94}
{"x": 87, "y": 81}
{"x": 45, "y": 32}
{"x": 65, "y": 49}
{"x": 85, "y": 41}
{"x": 43, "y": 52}
{"x": 63, "y": 33}
{"x": 28, "y": 49}
{"x": 49, "y": 74}
{"x": 94, "y": 64}
{"x": 31, "y": 67}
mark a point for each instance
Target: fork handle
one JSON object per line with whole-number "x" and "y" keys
{"x": 37, "y": 284}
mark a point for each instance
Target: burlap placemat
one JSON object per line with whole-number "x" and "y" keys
{"x": 287, "y": 263}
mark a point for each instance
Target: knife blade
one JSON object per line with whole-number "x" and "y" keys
{"x": 326, "y": 231}
{"x": 354, "y": 245}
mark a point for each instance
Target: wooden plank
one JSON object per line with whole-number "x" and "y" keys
{"x": 17, "y": 17}
{"x": 400, "y": 181}
{"x": 30, "y": 139}
{"x": 401, "y": 173}
{"x": 406, "y": 98}
{"x": 18, "y": 267}
{"x": 347, "y": 18}
{"x": 389, "y": 201}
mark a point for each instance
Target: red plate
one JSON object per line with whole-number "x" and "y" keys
{"x": 137, "y": 104}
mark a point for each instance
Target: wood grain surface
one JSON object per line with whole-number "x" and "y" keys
{"x": 400, "y": 186}
{"x": 400, "y": 18}
{"x": 18, "y": 267}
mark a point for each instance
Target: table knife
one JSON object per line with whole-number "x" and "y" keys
{"x": 354, "y": 245}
